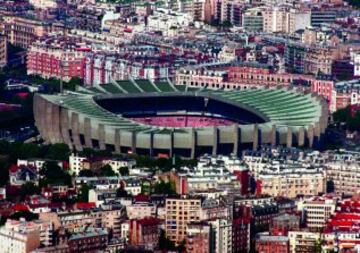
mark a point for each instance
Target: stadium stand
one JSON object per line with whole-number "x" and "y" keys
{"x": 128, "y": 86}
{"x": 146, "y": 85}
{"x": 111, "y": 88}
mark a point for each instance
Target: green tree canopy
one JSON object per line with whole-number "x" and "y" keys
{"x": 164, "y": 188}
{"x": 52, "y": 174}
{"x": 28, "y": 189}
{"x": 59, "y": 151}
{"x": 106, "y": 171}
{"x": 124, "y": 171}
{"x": 83, "y": 193}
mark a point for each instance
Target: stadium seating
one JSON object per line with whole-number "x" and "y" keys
{"x": 146, "y": 85}
{"x": 128, "y": 86}
{"x": 164, "y": 86}
{"x": 182, "y": 121}
{"x": 111, "y": 88}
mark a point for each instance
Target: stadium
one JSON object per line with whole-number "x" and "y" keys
{"x": 160, "y": 118}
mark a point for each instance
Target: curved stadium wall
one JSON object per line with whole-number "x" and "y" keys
{"x": 80, "y": 120}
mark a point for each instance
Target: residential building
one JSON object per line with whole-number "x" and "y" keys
{"x": 265, "y": 243}
{"x": 100, "y": 197}
{"x": 292, "y": 181}
{"x": 45, "y": 229}
{"x": 198, "y": 237}
{"x": 319, "y": 17}
{"x": 144, "y": 232}
{"x": 15, "y": 239}
{"x": 345, "y": 176}
{"x": 141, "y": 210}
{"x": 56, "y": 57}
{"x": 253, "y": 20}
{"x": 317, "y": 210}
{"x": 22, "y": 31}
{"x": 303, "y": 241}
{"x": 44, "y": 4}
{"x": 20, "y": 175}
{"x": 88, "y": 240}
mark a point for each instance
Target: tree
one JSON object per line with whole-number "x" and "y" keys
{"x": 354, "y": 3}
{"x": 106, "y": 171}
{"x": 120, "y": 192}
{"x": 83, "y": 193}
{"x": 4, "y": 173}
{"x": 330, "y": 186}
{"x": 29, "y": 188}
{"x": 165, "y": 243}
{"x": 52, "y": 174}
{"x": 124, "y": 171}
{"x": 29, "y": 216}
{"x": 58, "y": 152}
{"x": 86, "y": 173}
{"x": 342, "y": 115}
{"x": 164, "y": 188}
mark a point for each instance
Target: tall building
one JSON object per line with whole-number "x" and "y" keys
{"x": 179, "y": 213}
{"x": 3, "y": 51}
{"x": 222, "y": 233}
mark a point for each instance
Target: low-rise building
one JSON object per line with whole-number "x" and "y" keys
{"x": 265, "y": 243}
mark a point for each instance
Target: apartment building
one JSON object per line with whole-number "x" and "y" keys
{"x": 317, "y": 211}
{"x": 253, "y": 20}
{"x": 179, "y": 213}
{"x": 18, "y": 239}
{"x": 303, "y": 241}
{"x": 345, "y": 177}
{"x": 284, "y": 19}
{"x": 23, "y": 31}
{"x": 222, "y": 232}
{"x": 144, "y": 232}
{"x": 78, "y": 162}
{"x": 198, "y": 237}
{"x": 45, "y": 229}
{"x": 266, "y": 243}
{"x": 56, "y": 57}
{"x": 44, "y": 4}
{"x": 291, "y": 181}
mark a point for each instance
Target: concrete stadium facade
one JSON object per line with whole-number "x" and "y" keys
{"x": 291, "y": 119}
